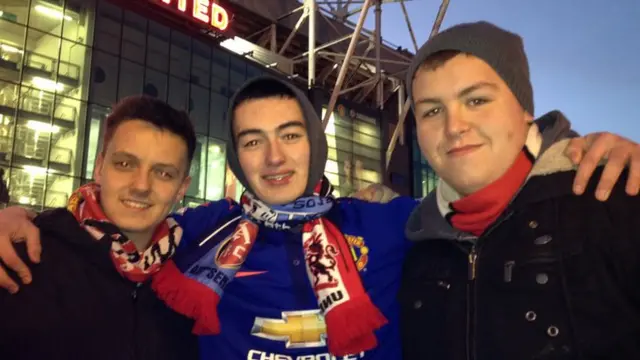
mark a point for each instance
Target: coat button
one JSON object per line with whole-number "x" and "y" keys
{"x": 543, "y": 240}
{"x": 542, "y": 278}
{"x": 533, "y": 224}
{"x": 530, "y": 316}
{"x": 296, "y": 262}
{"x": 417, "y": 304}
{"x": 553, "y": 331}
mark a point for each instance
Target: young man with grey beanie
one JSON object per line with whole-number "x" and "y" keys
{"x": 508, "y": 262}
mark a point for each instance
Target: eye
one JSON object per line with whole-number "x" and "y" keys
{"x": 292, "y": 136}
{"x": 432, "y": 112}
{"x": 477, "y": 101}
{"x": 165, "y": 174}
{"x": 251, "y": 143}
{"x": 122, "y": 164}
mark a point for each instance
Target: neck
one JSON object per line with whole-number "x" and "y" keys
{"x": 142, "y": 240}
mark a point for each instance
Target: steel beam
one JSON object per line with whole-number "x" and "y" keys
{"x": 378, "y": 44}
{"x": 311, "y": 11}
{"x": 364, "y": 58}
{"x": 301, "y": 20}
{"x": 345, "y": 64}
{"x": 408, "y": 21}
{"x": 407, "y": 104}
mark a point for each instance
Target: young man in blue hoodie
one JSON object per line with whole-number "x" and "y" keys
{"x": 289, "y": 273}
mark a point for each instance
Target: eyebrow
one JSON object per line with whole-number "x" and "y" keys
{"x": 464, "y": 92}
{"x": 133, "y": 157}
{"x": 288, "y": 124}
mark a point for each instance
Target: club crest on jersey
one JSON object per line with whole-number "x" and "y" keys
{"x": 321, "y": 262}
{"x": 359, "y": 250}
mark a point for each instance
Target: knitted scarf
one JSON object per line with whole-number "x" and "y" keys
{"x": 349, "y": 313}
{"x": 132, "y": 264}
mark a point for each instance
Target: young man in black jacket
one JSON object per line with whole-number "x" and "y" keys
{"x": 508, "y": 262}
{"x": 93, "y": 300}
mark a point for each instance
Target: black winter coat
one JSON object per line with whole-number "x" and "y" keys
{"x": 80, "y": 307}
{"x": 556, "y": 277}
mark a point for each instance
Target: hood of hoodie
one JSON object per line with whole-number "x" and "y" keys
{"x": 426, "y": 221}
{"x": 315, "y": 133}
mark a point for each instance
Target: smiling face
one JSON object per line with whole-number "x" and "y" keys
{"x": 470, "y": 126}
{"x": 273, "y": 147}
{"x": 142, "y": 174}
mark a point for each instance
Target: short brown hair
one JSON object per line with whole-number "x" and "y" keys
{"x": 153, "y": 111}
{"x": 438, "y": 59}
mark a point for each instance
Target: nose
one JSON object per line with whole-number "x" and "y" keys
{"x": 141, "y": 182}
{"x": 275, "y": 154}
{"x": 456, "y": 122}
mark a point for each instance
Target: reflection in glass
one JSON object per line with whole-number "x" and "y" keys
{"x": 354, "y": 152}
{"x": 216, "y": 168}
{"x": 198, "y": 169}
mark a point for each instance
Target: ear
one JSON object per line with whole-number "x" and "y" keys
{"x": 183, "y": 189}
{"x": 97, "y": 168}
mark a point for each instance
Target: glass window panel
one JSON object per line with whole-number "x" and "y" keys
{"x": 253, "y": 71}
{"x": 201, "y": 64}
{"x": 79, "y": 16}
{"x": 134, "y": 29}
{"x": 14, "y": 11}
{"x": 59, "y": 189}
{"x": 219, "y": 106}
{"x": 97, "y": 115}
{"x": 4, "y": 187}
{"x": 131, "y": 77}
{"x": 73, "y": 70}
{"x": 27, "y": 186}
{"x": 220, "y": 86}
{"x": 11, "y": 50}
{"x": 41, "y": 59}
{"x": 158, "y": 46}
{"x": 156, "y": 84}
{"x": 198, "y": 170}
{"x": 216, "y": 168}
{"x": 108, "y": 31}
{"x": 47, "y": 16}
{"x": 104, "y": 78}
{"x": 199, "y": 103}
{"x": 220, "y": 64}
{"x": 178, "y": 93}
{"x": 180, "y": 55}
{"x": 67, "y": 136}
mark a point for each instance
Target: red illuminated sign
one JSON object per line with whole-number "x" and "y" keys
{"x": 205, "y": 11}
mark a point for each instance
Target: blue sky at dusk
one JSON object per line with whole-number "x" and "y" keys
{"x": 584, "y": 54}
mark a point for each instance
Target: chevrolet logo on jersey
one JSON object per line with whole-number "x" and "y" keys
{"x": 299, "y": 329}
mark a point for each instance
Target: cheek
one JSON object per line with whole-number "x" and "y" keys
{"x": 428, "y": 140}
{"x": 249, "y": 162}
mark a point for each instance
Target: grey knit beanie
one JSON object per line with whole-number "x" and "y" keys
{"x": 501, "y": 49}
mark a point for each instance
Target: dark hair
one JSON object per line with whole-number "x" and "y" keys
{"x": 262, "y": 90}
{"x": 438, "y": 59}
{"x": 153, "y": 111}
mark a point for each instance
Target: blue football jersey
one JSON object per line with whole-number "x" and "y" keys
{"x": 269, "y": 310}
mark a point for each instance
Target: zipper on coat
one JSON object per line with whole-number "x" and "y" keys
{"x": 472, "y": 286}
{"x": 134, "y": 298}
{"x": 473, "y": 258}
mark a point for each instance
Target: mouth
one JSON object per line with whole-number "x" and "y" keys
{"x": 463, "y": 150}
{"x": 278, "y": 179}
{"x": 135, "y": 205}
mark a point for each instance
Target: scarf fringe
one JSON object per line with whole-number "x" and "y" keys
{"x": 189, "y": 298}
{"x": 349, "y": 329}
